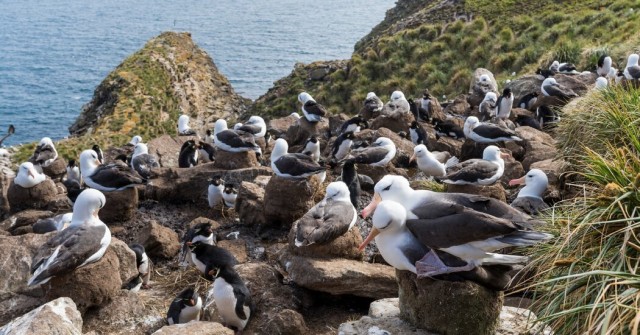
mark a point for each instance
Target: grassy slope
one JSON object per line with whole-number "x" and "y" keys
{"x": 504, "y": 37}
{"x": 587, "y": 281}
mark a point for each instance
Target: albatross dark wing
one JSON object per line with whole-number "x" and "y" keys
{"x": 116, "y": 176}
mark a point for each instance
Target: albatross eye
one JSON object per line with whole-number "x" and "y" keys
{"x": 387, "y": 188}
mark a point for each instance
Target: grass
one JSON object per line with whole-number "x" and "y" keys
{"x": 517, "y": 38}
{"x": 587, "y": 282}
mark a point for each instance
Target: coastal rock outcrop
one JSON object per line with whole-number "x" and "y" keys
{"x": 185, "y": 81}
{"x": 57, "y": 317}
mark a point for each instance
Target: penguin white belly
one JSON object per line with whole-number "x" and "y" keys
{"x": 226, "y": 304}
{"x": 201, "y": 266}
{"x": 190, "y": 313}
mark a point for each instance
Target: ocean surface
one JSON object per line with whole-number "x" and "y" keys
{"x": 53, "y": 54}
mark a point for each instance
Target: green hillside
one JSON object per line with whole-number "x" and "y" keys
{"x": 502, "y": 36}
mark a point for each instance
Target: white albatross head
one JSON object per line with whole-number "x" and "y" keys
{"x": 88, "y": 162}
{"x": 388, "y": 217}
{"x": 370, "y": 95}
{"x": 390, "y": 187}
{"x": 280, "y": 148}
{"x": 535, "y": 181}
{"x": 338, "y": 191}
{"x": 397, "y": 95}
{"x": 140, "y": 149}
{"x": 470, "y": 123}
{"x": 86, "y": 207}
{"x": 304, "y": 97}
{"x": 493, "y": 154}
{"x": 632, "y": 60}
{"x": 135, "y": 140}
{"x": 221, "y": 124}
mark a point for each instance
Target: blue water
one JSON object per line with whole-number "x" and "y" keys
{"x": 54, "y": 53}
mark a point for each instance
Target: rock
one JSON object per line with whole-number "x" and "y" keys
{"x": 286, "y": 200}
{"x": 93, "y": 285}
{"x": 472, "y": 149}
{"x": 341, "y": 276}
{"x": 16, "y": 298}
{"x": 121, "y": 206}
{"x": 195, "y": 328}
{"x": 57, "y": 317}
{"x": 520, "y": 321}
{"x": 128, "y": 268}
{"x": 459, "y": 106}
{"x": 175, "y": 185}
{"x": 250, "y": 204}
{"x": 237, "y": 247}
{"x": 25, "y": 218}
{"x": 214, "y": 224}
{"x": 299, "y": 132}
{"x": 167, "y": 149}
{"x": 517, "y": 151}
{"x": 287, "y": 322}
{"x": 56, "y": 170}
{"x": 430, "y": 304}
{"x": 159, "y": 241}
{"x": 336, "y": 122}
{"x": 188, "y": 81}
{"x": 42, "y": 196}
{"x": 478, "y": 89}
{"x": 495, "y": 191}
{"x": 538, "y": 146}
{"x": 448, "y": 144}
{"x": 235, "y": 160}
{"x": 512, "y": 170}
{"x": 383, "y": 318}
{"x": 395, "y": 122}
{"x": 345, "y": 246}
{"x": 125, "y": 314}
{"x": 5, "y": 181}
{"x": 280, "y": 126}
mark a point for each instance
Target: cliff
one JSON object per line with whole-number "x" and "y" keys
{"x": 147, "y": 93}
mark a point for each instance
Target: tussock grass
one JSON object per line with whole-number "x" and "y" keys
{"x": 588, "y": 281}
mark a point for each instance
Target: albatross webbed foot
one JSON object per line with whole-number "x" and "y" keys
{"x": 431, "y": 265}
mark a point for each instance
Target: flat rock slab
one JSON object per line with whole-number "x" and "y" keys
{"x": 342, "y": 276}
{"x": 57, "y": 317}
{"x": 195, "y": 328}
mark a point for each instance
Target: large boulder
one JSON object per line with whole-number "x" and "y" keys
{"x": 383, "y": 318}
{"x": 57, "y": 317}
{"x": 94, "y": 285}
{"x": 16, "y": 298}
{"x": 250, "y": 204}
{"x": 235, "y": 160}
{"x": 396, "y": 122}
{"x": 120, "y": 206}
{"x": 44, "y": 196}
{"x": 280, "y": 126}
{"x": 158, "y": 240}
{"x": 286, "y": 200}
{"x": 128, "y": 268}
{"x": 459, "y": 106}
{"x": 5, "y": 181}
{"x": 341, "y": 276}
{"x": 430, "y": 304}
{"x": 538, "y": 146}
{"x": 300, "y": 131}
{"x": 167, "y": 149}
{"x": 125, "y": 314}
{"x": 21, "y": 222}
{"x": 195, "y": 328}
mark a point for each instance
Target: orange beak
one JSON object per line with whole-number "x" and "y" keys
{"x": 413, "y": 158}
{"x": 504, "y": 155}
{"x": 95, "y": 213}
{"x": 519, "y": 181}
{"x": 371, "y": 207}
{"x": 98, "y": 162}
{"x": 30, "y": 172}
{"x": 372, "y": 234}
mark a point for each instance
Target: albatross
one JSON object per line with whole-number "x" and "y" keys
{"x": 332, "y": 217}
{"x": 234, "y": 140}
{"x": 487, "y": 132}
{"x": 312, "y": 110}
{"x": 84, "y": 241}
{"x": 467, "y": 226}
{"x": 292, "y": 165}
{"x": 485, "y": 171}
{"x": 529, "y": 199}
{"x": 106, "y": 177}
{"x": 28, "y": 176}
{"x": 379, "y": 153}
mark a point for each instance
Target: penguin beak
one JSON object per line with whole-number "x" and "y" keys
{"x": 413, "y": 158}
{"x": 192, "y": 302}
{"x": 372, "y": 206}
{"x": 372, "y": 234}
{"x": 519, "y": 181}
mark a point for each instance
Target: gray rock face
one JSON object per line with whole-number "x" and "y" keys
{"x": 250, "y": 204}
{"x": 430, "y": 304}
{"x": 121, "y": 206}
{"x": 286, "y": 200}
{"x": 341, "y": 276}
{"x": 195, "y": 328}
{"x": 44, "y": 196}
{"x": 538, "y": 146}
{"x": 159, "y": 241}
{"x": 24, "y": 219}
{"x": 345, "y": 246}
{"x": 235, "y": 160}
{"x": 57, "y": 317}
{"x": 478, "y": 89}
{"x": 125, "y": 314}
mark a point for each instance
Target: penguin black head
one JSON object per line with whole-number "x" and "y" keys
{"x": 312, "y": 139}
{"x": 620, "y": 72}
{"x": 193, "y": 246}
{"x": 189, "y": 296}
{"x": 230, "y": 188}
{"x": 414, "y": 125}
{"x": 403, "y": 134}
{"x": 216, "y": 180}
{"x": 506, "y": 92}
{"x": 426, "y": 95}
{"x": 72, "y": 163}
{"x": 138, "y": 249}
{"x": 208, "y": 132}
{"x": 203, "y": 229}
